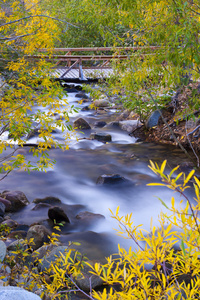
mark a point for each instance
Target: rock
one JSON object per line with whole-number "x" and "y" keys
{"x": 43, "y": 251}
{"x": 16, "y": 293}
{"x": 124, "y": 115}
{"x": 153, "y": 119}
{"x": 57, "y": 214}
{"x": 86, "y": 280}
{"x": 112, "y": 179}
{"x": 7, "y": 204}
{"x": 48, "y": 199}
{"x": 80, "y": 123}
{"x": 17, "y": 234}
{"x": 18, "y": 244}
{"x": 2, "y": 251}
{"x": 114, "y": 124}
{"x": 2, "y": 209}
{"x": 52, "y": 257}
{"x": 10, "y": 223}
{"x": 129, "y": 125}
{"x": 89, "y": 216}
{"x": 100, "y": 124}
{"x": 103, "y": 137}
{"x": 85, "y": 108}
{"x": 41, "y": 205}
{"x": 101, "y": 103}
{"x": 40, "y": 235}
{"x": 81, "y": 95}
{"x": 17, "y": 199}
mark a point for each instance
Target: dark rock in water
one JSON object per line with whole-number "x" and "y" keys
{"x": 41, "y": 205}
{"x": 85, "y": 108}
{"x": 86, "y": 280}
{"x": 40, "y": 235}
{"x": 17, "y": 199}
{"x": 114, "y": 124}
{"x": 100, "y": 124}
{"x": 48, "y": 199}
{"x": 2, "y": 209}
{"x": 7, "y": 203}
{"x": 89, "y": 216}
{"x": 71, "y": 90}
{"x": 103, "y": 137}
{"x": 81, "y": 95}
{"x": 153, "y": 119}
{"x": 80, "y": 123}
{"x": 112, "y": 179}
{"x": 57, "y": 214}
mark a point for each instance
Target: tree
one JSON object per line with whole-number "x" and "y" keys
{"x": 27, "y": 84}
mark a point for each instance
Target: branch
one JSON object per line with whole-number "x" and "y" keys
{"x": 36, "y": 16}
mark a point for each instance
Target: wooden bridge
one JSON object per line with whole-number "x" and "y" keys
{"x": 74, "y": 64}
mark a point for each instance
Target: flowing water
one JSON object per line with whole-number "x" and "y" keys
{"x": 74, "y": 177}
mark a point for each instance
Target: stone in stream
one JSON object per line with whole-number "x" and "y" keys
{"x": 102, "y": 137}
{"x": 113, "y": 179}
{"x": 89, "y": 216}
{"x": 16, "y": 198}
{"x": 100, "y": 124}
{"x": 101, "y": 103}
{"x": 80, "y": 123}
{"x": 7, "y": 203}
{"x": 16, "y": 293}
{"x": 2, "y": 251}
{"x": 40, "y": 235}
{"x": 81, "y": 95}
{"x": 2, "y": 209}
{"x": 10, "y": 223}
{"x": 129, "y": 125}
{"x": 57, "y": 214}
{"x": 48, "y": 200}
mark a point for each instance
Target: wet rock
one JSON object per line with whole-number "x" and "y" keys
{"x": 53, "y": 256}
{"x": 80, "y": 123}
{"x": 57, "y": 214}
{"x": 41, "y": 206}
{"x": 112, "y": 179}
{"x": 17, "y": 234}
{"x": 100, "y": 124}
{"x": 114, "y": 124}
{"x": 85, "y": 108}
{"x": 81, "y": 95}
{"x": 2, "y": 209}
{"x": 129, "y": 125}
{"x": 124, "y": 115}
{"x": 49, "y": 199}
{"x": 7, "y": 204}
{"x": 40, "y": 235}
{"x": 101, "y": 103}
{"x": 103, "y": 137}
{"x": 17, "y": 199}
{"x": 153, "y": 119}
{"x": 10, "y": 223}
{"x": 43, "y": 251}
{"x": 16, "y": 293}
{"x": 89, "y": 216}
{"x": 2, "y": 251}
{"x": 86, "y": 280}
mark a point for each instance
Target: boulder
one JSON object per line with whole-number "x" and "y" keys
{"x": 41, "y": 206}
{"x": 86, "y": 280}
{"x": 102, "y": 137}
{"x": 18, "y": 244}
{"x": 80, "y": 123}
{"x": 2, "y": 209}
{"x": 112, "y": 179}
{"x": 16, "y": 198}
{"x": 101, "y": 103}
{"x": 81, "y": 95}
{"x": 49, "y": 200}
{"x": 10, "y": 223}
{"x": 40, "y": 235}
{"x": 57, "y": 214}
{"x": 129, "y": 125}
{"x": 7, "y": 204}
{"x": 100, "y": 124}
{"x": 2, "y": 251}
{"x": 153, "y": 119}
{"x": 53, "y": 256}
{"x": 41, "y": 252}
{"x": 16, "y": 293}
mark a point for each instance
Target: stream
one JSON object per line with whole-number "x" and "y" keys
{"x": 73, "y": 181}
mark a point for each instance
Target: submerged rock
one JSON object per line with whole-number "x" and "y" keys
{"x": 80, "y": 123}
{"x": 103, "y": 137}
{"x": 100, "y": 124}
{"x": 48, "y": 200}
{"x": 89, "y": 216}
{"x": 81, "y": 95}
{"x": 57, "y": 214}
{"x": 112, "y": 179}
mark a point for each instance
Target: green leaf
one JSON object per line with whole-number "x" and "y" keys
{"x": 163, "y": 203}
{"x": 183, "y": 248}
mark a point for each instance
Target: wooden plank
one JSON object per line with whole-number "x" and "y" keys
{"x": 99, "y": 49}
